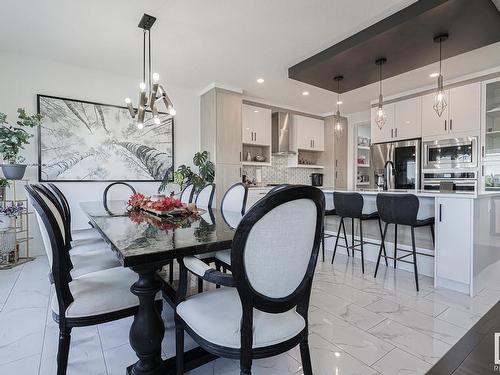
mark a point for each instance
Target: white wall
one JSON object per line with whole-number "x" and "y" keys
{"x": 22, "y": 77}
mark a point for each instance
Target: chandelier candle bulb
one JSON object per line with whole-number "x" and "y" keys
{"x": 130, "y": 107}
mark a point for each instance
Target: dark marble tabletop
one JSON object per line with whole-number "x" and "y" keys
{"x": 139, "y": 238}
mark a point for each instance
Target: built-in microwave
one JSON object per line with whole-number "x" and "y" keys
{"x": 450, "y": 153}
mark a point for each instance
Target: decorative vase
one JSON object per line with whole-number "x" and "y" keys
{"x": 13, "y": 171}
{"x": 4, "y": 222}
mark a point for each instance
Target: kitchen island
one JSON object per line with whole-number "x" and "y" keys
{"x": 466, "y": 255}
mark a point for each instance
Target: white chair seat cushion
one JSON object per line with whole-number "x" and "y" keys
{"x": 216, "y": 317}
{"x": 92, "y": 261}
{"x": 196, "y": 266}
{"x": 224, "y": 256}
{"x": 85, "y": 234}
{"x": 101, "y": 292}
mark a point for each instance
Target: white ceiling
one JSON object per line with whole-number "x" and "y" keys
{"x": 198, "y": 42}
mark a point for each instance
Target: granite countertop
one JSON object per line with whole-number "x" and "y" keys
{"x": 419, "y": 193}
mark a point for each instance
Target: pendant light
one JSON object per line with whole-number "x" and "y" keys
{"x": 150, "y": 90}
{"x": 338, "y": 128}
{"x": 380, "y": 117}
{"x": 440, "y": 97}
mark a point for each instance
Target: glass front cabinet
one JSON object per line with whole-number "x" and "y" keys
{"x": 490, "y": 135}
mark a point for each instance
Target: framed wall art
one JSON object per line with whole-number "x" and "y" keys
{"x": 86, "y": 141}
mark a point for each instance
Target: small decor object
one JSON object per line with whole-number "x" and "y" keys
{"x": 12, "y": 141}
{"x": 381, "y": 117}
{"x": 249, "y": 156}
{"x": 440, "y": 98}
{"x": 184, "y": 175}
{"x": 339, "y": 128}
{"x": 165, "y": 206}
{"x": 9, "y": 212}
{"x": 85, "y": 141}
{"x": 260, "y": 158}
{"x": 155, "y": 91}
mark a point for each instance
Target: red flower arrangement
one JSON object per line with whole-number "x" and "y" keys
{"x": 165, "y": 204}
{"x": 136, "y": 201}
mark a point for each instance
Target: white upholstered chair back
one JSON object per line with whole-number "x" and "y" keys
{"x": 279, "y": 247}
{"x": 205, "y": 196}
{"x": 235, "y": 199}
{"x": 187, "y": 194}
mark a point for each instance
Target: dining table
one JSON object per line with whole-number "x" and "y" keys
{"x": 146, "y": 243}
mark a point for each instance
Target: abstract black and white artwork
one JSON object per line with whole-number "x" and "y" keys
{"x": 84, "y": 141}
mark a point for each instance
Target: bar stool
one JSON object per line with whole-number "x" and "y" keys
{"x": 330, "y": 211}
{"x": 350, "y": 205}
{"x": 402, "y": 209}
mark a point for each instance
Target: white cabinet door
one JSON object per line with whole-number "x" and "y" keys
{"x": 254, "y": 195}
{"x": 453, "y": 239}
{"x": 432, "y": 124}
{"x": 408, "y": 119}
{"x": 385, "y": 134}
{"x": 465, "y": 108}
{"x": 256, "y": 125}
{"x": 310, "y": 133}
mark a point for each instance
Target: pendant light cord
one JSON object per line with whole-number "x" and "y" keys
{"x": 338, "y": 95}
{"x": 380, "y": 79}
{"x": 440, "y": 57}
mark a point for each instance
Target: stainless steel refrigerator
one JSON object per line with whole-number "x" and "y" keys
{"x": 405, "y": 156}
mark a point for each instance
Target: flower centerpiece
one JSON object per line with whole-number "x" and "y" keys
{"x": 9, "y": 212}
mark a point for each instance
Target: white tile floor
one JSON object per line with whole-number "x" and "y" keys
{"x": 358, "y": 324}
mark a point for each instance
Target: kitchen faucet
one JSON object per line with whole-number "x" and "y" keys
{"x": 388, "y": 172}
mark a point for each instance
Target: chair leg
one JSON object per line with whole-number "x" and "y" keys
{"x": 414, "y": 248}
{"x": 245, "y": 364}
{"x": 217, "y": 268}
{"x": 382, "y": 242}
{"x": 381, "y": 247}
{"x": 171, "y": 272}
{"x": 179, "y": 347}
{"x": 345, "y": 239}
{"x": 337, "y": 241}
{"x": 63, "y": 350}
{"x": 323, "y": 246}
{"x": 395, "y": 244}
{"x": 200, "y": 285}
{"x": 305, "y": 356}
{"x": 362, "y": 252}
{"x": 433, "y": 235}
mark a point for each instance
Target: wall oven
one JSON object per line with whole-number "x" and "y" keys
{"x": 450, "y": 153}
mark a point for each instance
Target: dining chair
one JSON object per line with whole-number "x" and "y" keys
{"x": 277, "y": 187}
{"x": 77, "y": 236}
{"x": 205, "y": 197}
{"x": 274, "y": 254}
{"x": 91, "y": 299}
{"x": 80, "y": 259}
{"x": 187, "y": 194}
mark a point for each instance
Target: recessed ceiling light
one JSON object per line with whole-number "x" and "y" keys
{"x": 339, "y": 102}
{"x": 260, "y": 80}
{"x": 305, "y": 93}
{"x": 256, "y": 111}
{"x": 337, "y": 354}
{"x": 434, "y": 75}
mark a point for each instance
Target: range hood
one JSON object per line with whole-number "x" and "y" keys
{"x": 281, "y": 134}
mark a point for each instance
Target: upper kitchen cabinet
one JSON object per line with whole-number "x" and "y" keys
{"x": 491, "y": 121}
{"x": 310, "y": 133}
{"x": 228, "y": 127}
{"x": 408, "y": 119}
{"x": 256, "y": 125}
{"x": 386, "y": 134}
{"x": 463, "y": 113}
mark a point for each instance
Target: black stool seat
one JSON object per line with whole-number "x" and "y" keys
{"x": 372, "y": 216}
{"x": 350, "y": 205}
{"x": 425, "y": 222}
{"x": 401, "y": 209}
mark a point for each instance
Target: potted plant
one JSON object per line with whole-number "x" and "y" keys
{"x": 7, "y": 213}
{"x": 12, "y": 141}
{"x": 184, "y": 175}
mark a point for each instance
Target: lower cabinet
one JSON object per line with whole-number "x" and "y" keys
{"x": 225, "y": 176}
{"x": 454, "y": 223}
{"x": 254, "y": 195}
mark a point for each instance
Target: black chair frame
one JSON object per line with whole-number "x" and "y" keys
{"x": 402, "y": 209}
{"x": 190, "y": 195}
{"x": 251, "y": 299}
{"x": 212, "y": 193}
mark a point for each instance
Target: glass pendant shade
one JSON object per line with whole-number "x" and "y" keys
{"x": 380, "y": 117}
{"x": 440, "y": 98}
{"x": 338, "y": 128}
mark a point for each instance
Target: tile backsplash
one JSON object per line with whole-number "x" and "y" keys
{"x": 279, "y": 173}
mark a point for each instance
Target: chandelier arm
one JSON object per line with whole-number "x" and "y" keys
{"x": 144, "y": 56}
{"x": 149, "y": 58}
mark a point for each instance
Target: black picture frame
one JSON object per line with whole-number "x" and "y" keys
{"x": 39, "y": 133}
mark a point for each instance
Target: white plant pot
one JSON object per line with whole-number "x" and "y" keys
{"x": 4, "y": 222}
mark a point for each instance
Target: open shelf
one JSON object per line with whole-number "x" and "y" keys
{"x": 311, "y": 166}
{"x": 364, "y": 165}
{"x": 363, "y": 148}
{"x": 256, "y": 163}
{"x": 363, "y": 183}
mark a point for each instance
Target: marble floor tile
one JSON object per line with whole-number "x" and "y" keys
{"x": 476, "y": 305}
{"x": 117, "y": 359}
{"x": 459, "y": 317}
{"x": 115, "y": 333}
{"x": 358, "y": 343}
{"x": 329, "y": 359}
{"x": 24, "y": 366}
{"x": 354, "y": 314}
{"x": 399, "y": 362}
{"x": 439, "y": 329}
{"x": 425, "y": 347}
{"x": 346, "y": 292}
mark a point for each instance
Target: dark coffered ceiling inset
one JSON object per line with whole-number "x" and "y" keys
{"x": 406, "y": 40}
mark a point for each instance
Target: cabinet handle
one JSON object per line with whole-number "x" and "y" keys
{"x": 335, "y": 174}
{"x": 240, "y": 155}
{"x": 482, "y": 170}
{"x": 314, "y": 144}
{"x": 240, "y": 171}
{"x": 440, "y": 212}
{"x": 396, "y": 133}
{"x": 445, "y": 125}
{"x": 336, "y": 162}
{"x": 255, "y": 136}
{"x": 392, "y": 133}
{"x": 451, "y": 124}
{"x": 482, "y": 151}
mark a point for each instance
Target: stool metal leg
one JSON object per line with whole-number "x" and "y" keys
{"x": 381, "y": 247}
{"x": 337, "y": 239}
{"x": 414, "y": 248}
{"x": 323, "y": 245}
{"x": 352, "y": 236}
{"x": 362, "y": 252}
{"x": 395, "y": 244}
{"x": 345, "y": 240}
{"x": 382, "y": 242}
